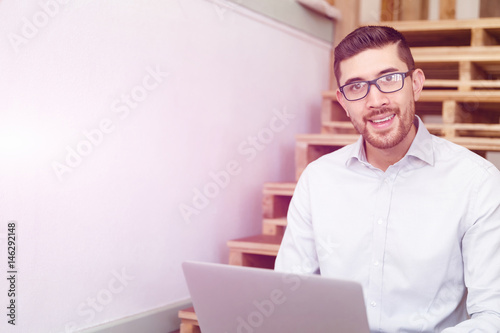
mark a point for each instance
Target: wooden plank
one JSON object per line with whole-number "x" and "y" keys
{"x": 413, "y": 10}
{"x": 387, "y": 10}
{"x": 449, "y": 32}
{"x": 309, "y": 147}
{"x": 189, "y": 326}
{"x": 449, "y": 117}
{"x": 275, "y": 201}
{"x": 349, "y": 20}
{"x": 473, "y": 143}
{"x": 456, "y": 54}
{"x": 431, "y": 83}
{"x": 347, "y": 23}
{"x": 239, "y": 257}
{"x": 489, "y": 8}
{"x": 254, "y": 251}
{"x": 259, "y": 244}
{"x": 441, "y": 26}
{"x": 274, "y": 226}
{"x": 475, "y": 96}
{"x": 435, "y": 126}
{"x": 480, "y": 144}
{"x": 188, "y": 313}
{"x": 275, "y": 206}
{"x": 447, "y": 9}
{"x": 279, "y": 188}
{"x": 481, "y": 37}
{"x": 465, "y": 75}
{"x": 277, "y": 221}
{"x": 189, "y": 321}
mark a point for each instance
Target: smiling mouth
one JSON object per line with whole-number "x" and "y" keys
{"x": 379, "y": 121}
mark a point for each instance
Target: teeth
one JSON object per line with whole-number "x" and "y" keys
{"x": 382, "y": 120}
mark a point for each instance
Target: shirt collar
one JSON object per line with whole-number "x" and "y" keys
{"x": 421, "y": 147}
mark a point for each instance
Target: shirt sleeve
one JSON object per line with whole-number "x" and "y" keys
{"x": 481, "y": 257}
{"x": 297, "y": 253}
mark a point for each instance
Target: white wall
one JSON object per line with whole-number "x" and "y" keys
{"x": 102, "y": 237}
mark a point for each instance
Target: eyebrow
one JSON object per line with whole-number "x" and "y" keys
{"x": 382, "y": 72}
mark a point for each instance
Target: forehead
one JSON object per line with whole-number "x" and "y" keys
{"x": 371, "y": 63}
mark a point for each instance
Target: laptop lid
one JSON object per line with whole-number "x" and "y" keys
{"x": 246, "y": 300}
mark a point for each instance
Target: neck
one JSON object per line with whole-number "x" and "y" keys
{"x": 384, "y": 158}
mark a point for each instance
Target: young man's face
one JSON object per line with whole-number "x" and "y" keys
{"x": 383, "y": 119}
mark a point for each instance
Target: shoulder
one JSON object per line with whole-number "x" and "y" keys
{"x": 459, "y": 157}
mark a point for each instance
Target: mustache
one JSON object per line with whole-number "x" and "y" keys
{"x": 383, "y": 110}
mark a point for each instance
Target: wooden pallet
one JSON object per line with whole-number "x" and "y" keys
{"x": 309, "y": 147}
{"x": 460, "y": 130}
{"x": 254, "y": 251}
{"x": 189, "y": 321}
{"x": 455, "y": 107}
{"x": 275, "y": 201}
{"x": 312, "y": 146}
{"x": 481, "y": 32}
{"x": 460, "y": 68}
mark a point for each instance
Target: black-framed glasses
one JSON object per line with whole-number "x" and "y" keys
{"x": 388, "y": 83}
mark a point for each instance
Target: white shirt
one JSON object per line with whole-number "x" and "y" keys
{"x": 417, "y": 236}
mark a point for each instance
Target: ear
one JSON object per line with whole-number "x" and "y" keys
{"x": 418, "y": 79}
{"x": 342, "y": 101}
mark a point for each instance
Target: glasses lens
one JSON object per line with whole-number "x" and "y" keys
{"x": 356, "y": 90}
{"x": 390, "y": 83}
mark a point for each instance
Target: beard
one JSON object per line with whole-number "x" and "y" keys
{"x": 391, "y": 137}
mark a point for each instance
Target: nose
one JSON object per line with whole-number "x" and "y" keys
{"x": 376, "y": 98}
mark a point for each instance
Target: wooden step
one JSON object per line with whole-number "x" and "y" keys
{"x": 285, "y": 189}
{"x": 275, "y": 201}
{"x": 254, "y": 251}
{"x": 189, "y": 321}
{"x": 478, "y": 32}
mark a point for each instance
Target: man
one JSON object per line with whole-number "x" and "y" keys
{"x": 412, "y": 217}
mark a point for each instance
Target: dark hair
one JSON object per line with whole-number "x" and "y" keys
{"x": 371, "y": 37}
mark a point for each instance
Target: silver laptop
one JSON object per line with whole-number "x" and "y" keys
{"x": 235, "y": 299}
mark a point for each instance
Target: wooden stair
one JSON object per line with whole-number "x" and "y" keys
{"x": 460, "y": 101}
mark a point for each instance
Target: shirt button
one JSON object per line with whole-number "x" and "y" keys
{"x": 376, "y": 263}
{"x": 373, "y": 303}
{"x": 380, "y": 221}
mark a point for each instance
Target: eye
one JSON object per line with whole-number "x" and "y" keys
{"x": 390, "y": 78}
{"x": 357, "y": 86}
